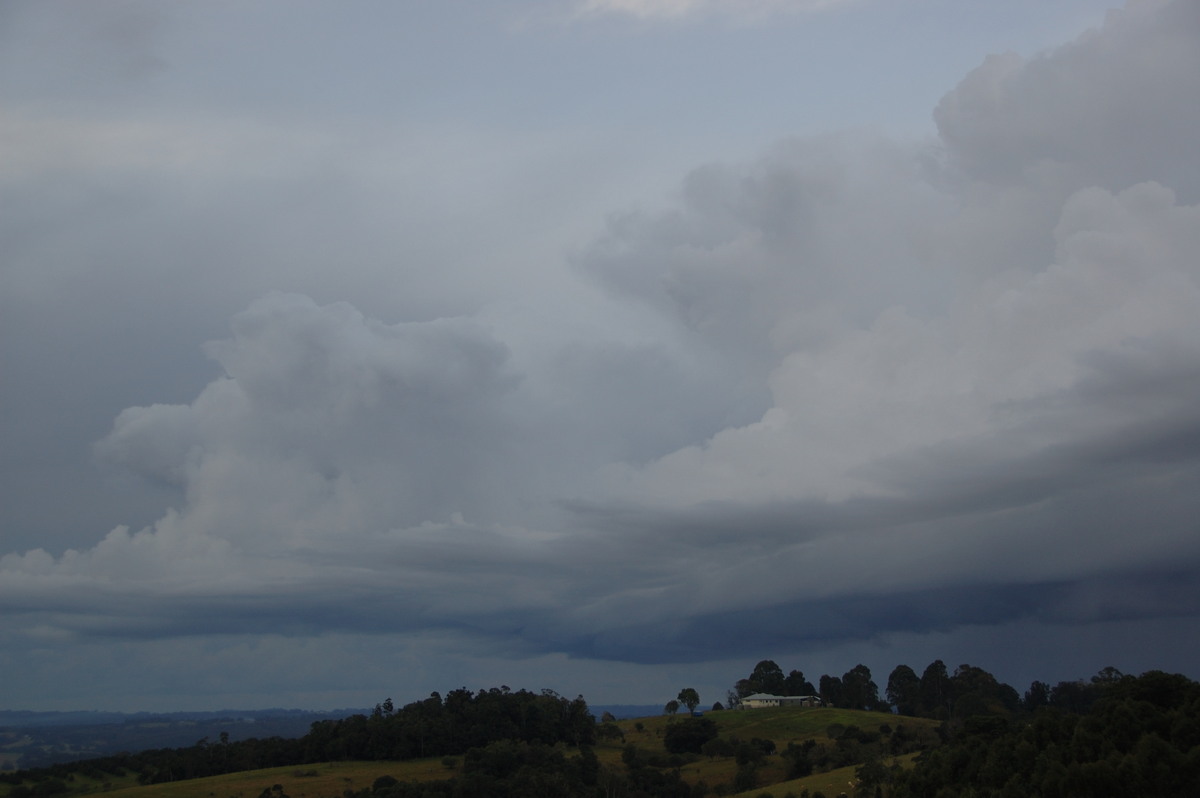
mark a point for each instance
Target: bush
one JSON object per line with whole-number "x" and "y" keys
{"x": 631, "y": 755}
{"x": 746, "y": 778}
{"x": 688, "y": 736}
{"x": 609, "y": 731}
{"x": 717, "y": 747}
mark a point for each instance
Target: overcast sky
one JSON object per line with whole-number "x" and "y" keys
{"x": 354, "y": 350}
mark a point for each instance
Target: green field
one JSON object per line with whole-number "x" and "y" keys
{"x": 780, "y": 725}
{"x": 831, "y": 783}
{"x": 325, "y": 780}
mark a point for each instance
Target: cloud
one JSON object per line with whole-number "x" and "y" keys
{"x": 852, "y": 390}
{"x": 321, "y": 406}
{"x": 328, "y": 432}
{"x": 678, "y": 9}
{"x": 995, "y": 361}
{"x": 927, "y": 445}
{"x": 1102, "y": 110}
{"x": 112, "y": 50}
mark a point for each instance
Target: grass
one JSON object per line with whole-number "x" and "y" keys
{"x": 832, "y": 783}
{"x": 786, "y": 724}
{"x": 781, "y": 725}
{"x": 326, "y": 780}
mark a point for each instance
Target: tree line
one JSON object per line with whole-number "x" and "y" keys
{"x": 1115, "y": 736}
{"x": 936, "y": 693}
{"x": 436, "y": 726}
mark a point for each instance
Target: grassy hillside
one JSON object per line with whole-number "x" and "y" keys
{"x": 325, "y": 780}
{"x": 831, "y": 783}
{"x": 781, "y": 725}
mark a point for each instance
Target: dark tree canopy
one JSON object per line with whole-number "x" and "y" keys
{"x": 904, "y": 690}
{"x": 1038, "y": 695}
{"x": 935, "y": 690}
{"x": 1140, "y": 737}
{"x": 767, "y": 677}
{"x": 689, "y": 735}
{"x": 796, "y": 684}
{"x": 858, "y": 689}
{"x": 974, "y": 691}
{"x": 831, "y": 690}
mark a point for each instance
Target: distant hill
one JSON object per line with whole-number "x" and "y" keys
{"x": 38, "y": 739}
{"x": 26, "y": 719}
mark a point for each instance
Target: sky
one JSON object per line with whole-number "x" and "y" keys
{"x": 354, "y": 350}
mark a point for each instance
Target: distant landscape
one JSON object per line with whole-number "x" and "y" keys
{"x": 39, "y": 739}
{"x": 942, "y": 733}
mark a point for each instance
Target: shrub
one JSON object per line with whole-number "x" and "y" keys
{"x": 746, "y": 778}
{"x": 688, "y": 736}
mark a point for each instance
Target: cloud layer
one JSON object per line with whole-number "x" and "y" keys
{"x": 855, "y": 389}
{"x": 676, "y": 9}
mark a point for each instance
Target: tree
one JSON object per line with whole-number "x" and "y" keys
{"x": 976, "y": 692}
{"x": 767, "y": 677}
{"x": 689, "y": 698}
{"x": 904, "y": 690}
{"x": 689, "y": 736}
{"x": 746, "y": 778}
{"x": 609, "y": 731}
{"x": 935, "y": 690}
{"x": 1038, "y": 695}
{"x": 831, "y": 690}
{"x": 671, "y": 707}
{"x": 717, "y": 747}
{"x": 858, "y": 689}
{"x": 1108, "y": 676}
{"x": 1077, "y": 696}
{"x": 796, "y": 684}
{"x": 870, "y": 774}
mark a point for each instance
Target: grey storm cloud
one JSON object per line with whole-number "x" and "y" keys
{"x": 854, "y": 388}
{"x": 1108, "y": 109}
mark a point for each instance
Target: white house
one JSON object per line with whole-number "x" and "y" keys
{"x": 761, "y": 700}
